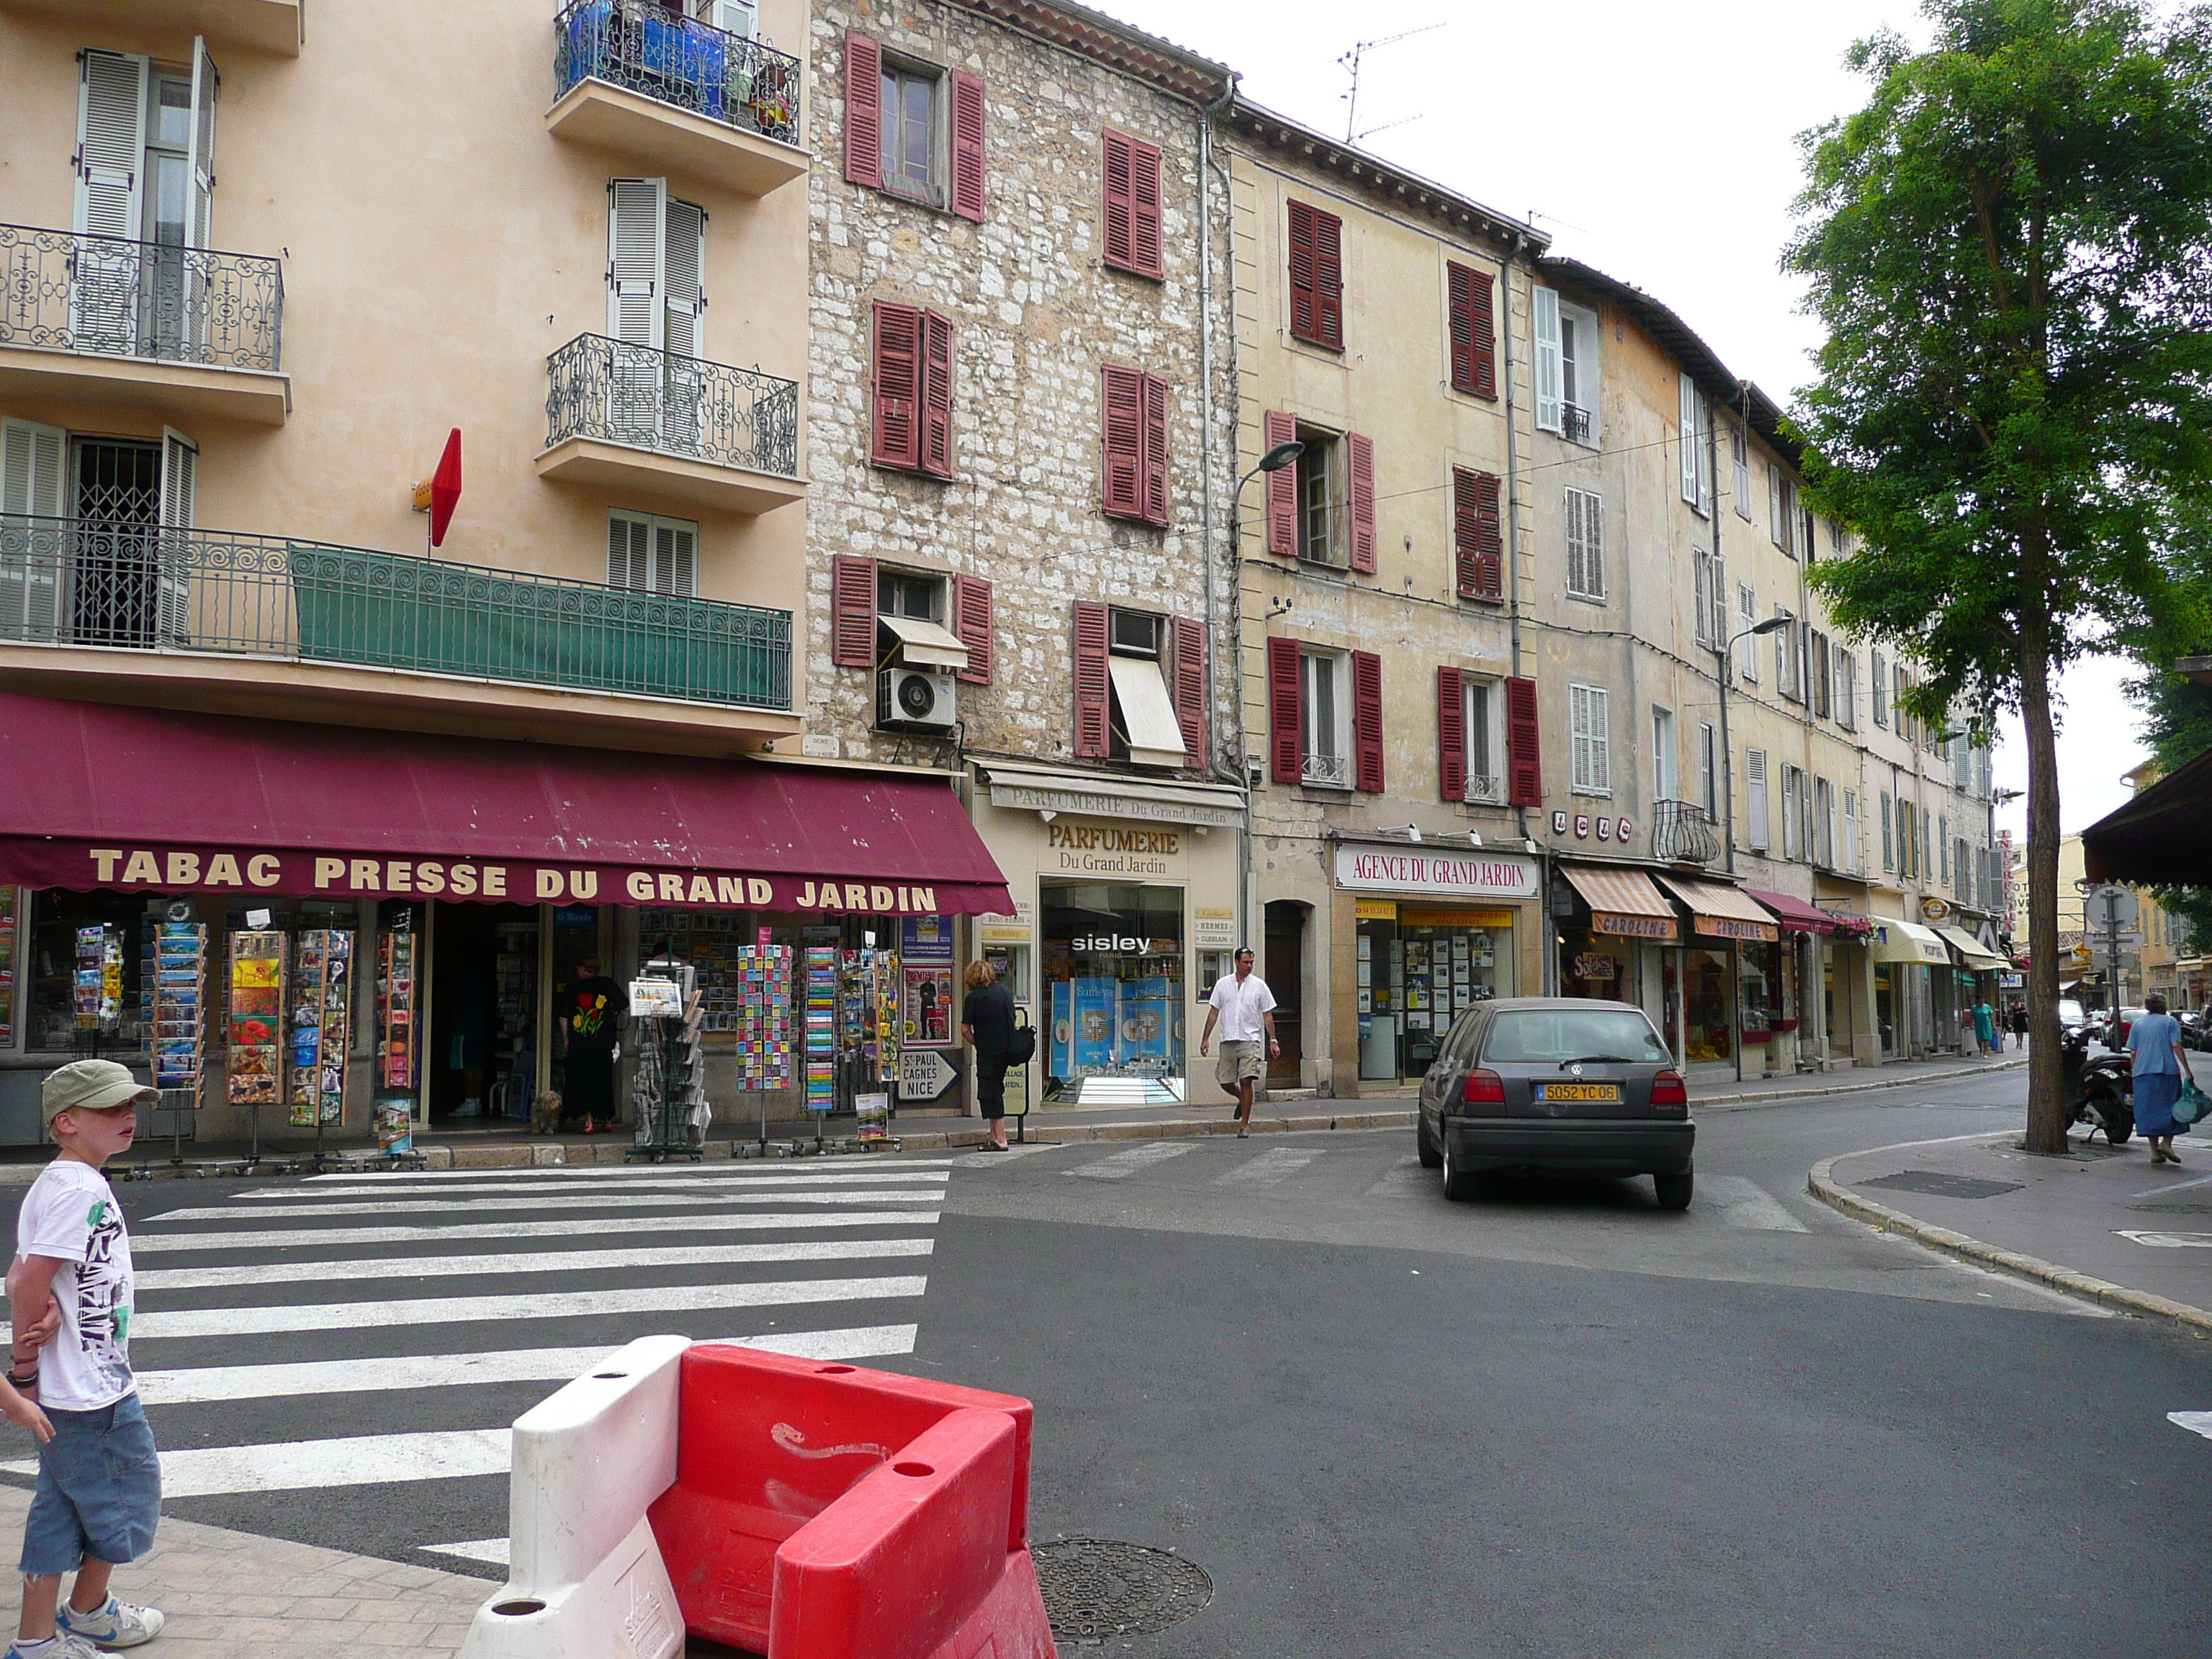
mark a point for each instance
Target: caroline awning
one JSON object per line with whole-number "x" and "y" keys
{"x": 1908, "y": 941}
{"x": 1794, "y": 914}
{"x": 162, "y": 801}
{"x": 1973, "y": 953}
{"x": 1623, "y": 903}
{"x": 1719, "y": 912}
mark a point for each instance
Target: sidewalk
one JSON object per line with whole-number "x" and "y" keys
{"x": 2101, "y": 1223}
{"x": 937, "y": 1131}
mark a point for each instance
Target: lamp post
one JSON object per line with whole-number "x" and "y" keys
{"x": 1275, "y": 460}
{"x": 1726, "y": 652}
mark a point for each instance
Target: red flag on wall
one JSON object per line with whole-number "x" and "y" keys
{"x": 446, "y": 489}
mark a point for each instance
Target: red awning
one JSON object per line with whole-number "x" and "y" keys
{"x": 1794, "y": 914}
{"x": 154, "y": 800}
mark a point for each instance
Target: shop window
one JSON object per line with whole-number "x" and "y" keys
{"x": 56, "y": 919}
{"x": 1112, "y": 975}
{"x": 1325, "y": 719}
{"x": 1419, "y": 971}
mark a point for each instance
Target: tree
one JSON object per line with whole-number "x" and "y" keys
{"x": 2011, "y": 248}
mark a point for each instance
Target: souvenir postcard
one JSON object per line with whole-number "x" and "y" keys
{"x": 253, "y": 972}
{"x": 254, "y": 1000}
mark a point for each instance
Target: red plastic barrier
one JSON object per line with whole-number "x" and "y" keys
{"x": 766, "y": 1443}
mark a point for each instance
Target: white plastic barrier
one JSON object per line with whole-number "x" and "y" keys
{"x": 584, "y": 1578}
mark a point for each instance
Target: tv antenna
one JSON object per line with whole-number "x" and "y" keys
{"x": 1351, "y": 60}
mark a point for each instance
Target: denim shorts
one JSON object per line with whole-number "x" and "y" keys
{"x": 99, "y": 1491}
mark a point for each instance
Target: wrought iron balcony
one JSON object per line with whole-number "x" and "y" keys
{"x": 1483, "y": 791}
{"x": 144, "y": 587}
{"x": 64, "y": 291}
{"x": 645, "y": 398}
{"x": 1574, "y": 423}
{"x": 1682, "y": 833}
{"x": 680, "y": 62}
{"x": 1333, "y": 771}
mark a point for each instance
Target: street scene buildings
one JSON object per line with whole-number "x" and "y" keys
{"x": 856, "y": 562}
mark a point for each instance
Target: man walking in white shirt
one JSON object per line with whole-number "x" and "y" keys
{"x": 1245, "y": 1008}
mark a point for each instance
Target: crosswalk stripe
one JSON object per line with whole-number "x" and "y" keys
{"x": 614, "y": 1171}
{"x": 1269, "y": 1168}
{"x": 207, "y": 1384}
{"x": 1405, "y": 1175}
{"x": 493, "y": 1550}
{"x": 2194, "y": 1422}
{"x": 493, "y": 1311}
{"x": 1744, "y": 1203}
{"x": 1121, "y": 1165}
{"x": 305, "y": 1237}
{"x": 366, "y": 1460}
{"x": 554, "y": 1262}
{"x": 556, "y": 1201}
{"x": 380, "y": 1191}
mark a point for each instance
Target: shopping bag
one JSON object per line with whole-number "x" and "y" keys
{"x": 2191, "y": 1105}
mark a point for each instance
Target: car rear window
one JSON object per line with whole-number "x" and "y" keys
{"x": 1542, "y": 1035}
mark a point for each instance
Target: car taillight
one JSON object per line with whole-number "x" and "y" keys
{"x": 1483, "y": 1089}
{"x": 1668, "y": 1088}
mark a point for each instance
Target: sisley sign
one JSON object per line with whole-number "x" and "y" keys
{"x": 1438, "y": 874}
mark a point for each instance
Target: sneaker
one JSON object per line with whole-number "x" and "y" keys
{"x": 118, "y": 1624}
{"x": 60, "y": 1645}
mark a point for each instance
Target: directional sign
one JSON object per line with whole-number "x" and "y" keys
{"x": 923, "y": 1074}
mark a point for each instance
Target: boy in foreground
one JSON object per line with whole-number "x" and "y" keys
{"x": 99, "y": 1482}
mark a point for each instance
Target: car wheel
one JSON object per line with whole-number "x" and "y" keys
{"x": 1427, "y": 1150}
{"x": 1673, "y": 1189}
{"x": 1459, "y": 1184}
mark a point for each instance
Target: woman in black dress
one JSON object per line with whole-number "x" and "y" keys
{"x": 986, "y": 1021}
{"x": 590, "y": 1011}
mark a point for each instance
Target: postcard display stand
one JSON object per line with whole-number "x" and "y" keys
{"x": 671, "y": 1088}
{"x": 177, "y": 1008}
{"x": 868, "y": 1038}
{"x": 257, "y": 1023}
{"x": 319, "y": 1028}
{"x": 395, "y": 1042}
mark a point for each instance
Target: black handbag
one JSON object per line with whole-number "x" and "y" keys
{"x": 1021, "y": 1047}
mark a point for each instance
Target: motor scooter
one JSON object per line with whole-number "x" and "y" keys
{"x": 2099, "y": 1092}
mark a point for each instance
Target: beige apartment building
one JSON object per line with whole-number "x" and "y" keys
{"x": 268, "y": 734}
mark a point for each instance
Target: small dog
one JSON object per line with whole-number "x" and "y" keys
{"x": 545, "y": 1114}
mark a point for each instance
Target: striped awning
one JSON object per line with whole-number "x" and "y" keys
{"x": 1623, "y": 903}
{"x": 1973, "y": 955}
{"x": 1719, "y": 912}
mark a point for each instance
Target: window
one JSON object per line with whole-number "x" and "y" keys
{"x": 1478, "y": 541}
{"x": 1888, "y": 846}
{"x": 1781, "y": 509}
{"x": 1472, "y": 330}
{"x": 1134, "y": 447}
{"x": 1566, "y": 368}
{"x": 1131, "y": 213}
{"x": 1754, "y": 800}
{"x": 913, "y": 385}
{"x": 1847, "y": 687}
{"x": 1747, "y": 603}
{"x": 1316, "y": 264}
{"x": 649, "y": 555}
{"x": 913, "y": 129}
{"x": 1820, "y": 683}
{"x": 1848, "y": 855}
{"x": 1835, "y": 539}
{"x": 1708, "y": 772}
{"x": 1878, "y": 688}
{"x": 1793, "y": 809}
{"x": 1140, "y": 686}
{"x": 1585, "y": 545}
{"x": 1740, "y": 459}
{"x": 1662, "y": 755}
{"x": 901, "y": 593}
{"x": 1324, "y": 720}
{"x": 909, "y": 106}
{"x": 1471, "y": 743}
{"x": 1696, "y": 459}
{"x": 1589, "y": 723}
{"x": 1319, "y": 498}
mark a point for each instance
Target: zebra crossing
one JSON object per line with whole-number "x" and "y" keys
{"x": 384, "y": 1331}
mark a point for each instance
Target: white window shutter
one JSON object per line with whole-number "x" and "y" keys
{"x": 629, "y": 561}
{"x": 684, "y": 270}
{"x": 1689, "y": 429}
{"x": 1600, "y": 741}
{"x": 1545, "y": 301}
{"x": 1775, "y": 532}
{"x": 111, "y": 176}
{"x": 1755, "y": 793}
{"x": 1746, "y": 601}
{"x": 739, "y": 17}
{"x": 32, "y": 568}
{"x": 1850, "y": 860}
{"x": 181, "y": 458}
{"x": 201, "y": 151}
{"x": 180, "y": 465}
{"x": 675, "y": 547}
{"x": 637, "y": 211}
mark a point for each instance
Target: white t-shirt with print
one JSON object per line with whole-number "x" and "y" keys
{"x": 70, "y": 1213}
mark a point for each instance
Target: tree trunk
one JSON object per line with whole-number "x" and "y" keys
{"x": 2047, "y": 1116}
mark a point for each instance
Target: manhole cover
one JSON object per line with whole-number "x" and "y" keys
{"x": 1944, "y": 1185}
{"x": 1094, "y": 1589}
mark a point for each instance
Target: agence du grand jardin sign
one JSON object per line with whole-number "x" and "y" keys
{"x": 1445, "y": 875}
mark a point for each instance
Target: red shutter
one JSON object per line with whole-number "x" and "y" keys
{"x": 967, "y": 146}
{"x": 1117, "y": 211}
{"x": 1122, "y": 397}
{"x": 1283, "y": 745}
{"x": 1367, "y": 720}
{"x": 1474, "y": 333}
{"x": 936, "y": 395}
{"x": 1190, "y": 690}
{"x": 1360, "y": 453}
{"x": 864, "y": 111}
{"x": 1451, "y": 735}
{"x": 1145, "y": 208}
{"x": 1154, "y": 501}
{"x": 1276, "y": 428}
{"x": 1478, "y": 550}
{"x": 971, "y": 620}
{"x": 1328, "y": 279}
{"x": 1524, "y": 763}
{"x": 852, "y": 613}
{"x": 897, "y": 427}
{"x": 1092, "y": 739}
{"x": 1301, "y": 272}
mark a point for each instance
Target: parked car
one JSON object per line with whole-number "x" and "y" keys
{"x": 2113, "y": 1034}
{"x": 1572, "y": 1085}
{"x": 2071, "y": 1016}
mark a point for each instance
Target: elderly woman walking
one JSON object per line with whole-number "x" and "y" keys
{"x": 2160, "y": 1062}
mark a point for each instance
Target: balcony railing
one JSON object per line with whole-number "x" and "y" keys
{"x": 1574, "y": 423}
{"x": 140, "y": 586}
{"x": 1682, "y": 833}
{"x": 1482, "y": 791}
{"x": 648, "y": 398}
{"x": 66, "y": 292}
{"x": 680, "y": 62}
{"x": 1334, "y": 771}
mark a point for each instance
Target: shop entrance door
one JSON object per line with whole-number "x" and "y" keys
{"x": 1284, "y": 973}
{"x": 484, "y": 1028}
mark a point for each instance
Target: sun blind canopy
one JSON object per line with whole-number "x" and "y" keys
{"x": 1623, "y": 903}
{"x": 1148, "y": 712}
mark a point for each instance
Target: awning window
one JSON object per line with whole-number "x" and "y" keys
{"x": 1148, "y": 713}
{"x": 926, "y": 644}
{"x": 1794, "y": 914}
{"x": 1720, "y": 911}
{"x": 1623, "y": 903}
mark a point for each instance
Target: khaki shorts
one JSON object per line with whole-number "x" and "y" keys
{"x": 1239, "y": 1060}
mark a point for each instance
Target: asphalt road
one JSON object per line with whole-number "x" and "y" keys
{"x": 1560, "y": 1422}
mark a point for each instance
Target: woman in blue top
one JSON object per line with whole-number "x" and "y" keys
{"x": 2159, "y": 1064}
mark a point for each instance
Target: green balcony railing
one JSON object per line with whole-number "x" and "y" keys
{"x": 140, "y": 586}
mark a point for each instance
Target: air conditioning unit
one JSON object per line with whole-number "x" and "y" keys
{"x": 914, "y": 699}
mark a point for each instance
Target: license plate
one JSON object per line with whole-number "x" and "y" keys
{"x": 1578, "y": 1091}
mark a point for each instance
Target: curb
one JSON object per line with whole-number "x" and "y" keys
{"x": 1822, "y": 1185}
{"x": 1950, "y": 1075}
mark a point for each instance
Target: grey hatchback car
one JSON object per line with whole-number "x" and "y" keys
{"x": 1572, "y": 1085}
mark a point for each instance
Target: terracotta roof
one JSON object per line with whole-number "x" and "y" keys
{"x": 1171, "y": 68}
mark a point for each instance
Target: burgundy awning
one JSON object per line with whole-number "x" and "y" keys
{"x": 1794, "y": 914}
{"x": 157, "y": 801}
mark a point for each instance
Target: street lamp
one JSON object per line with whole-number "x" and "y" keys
{"x": 1280, "y": 456}
{"x": 1726, "y": 652}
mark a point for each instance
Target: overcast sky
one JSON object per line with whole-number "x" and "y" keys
{"x": 1655, "y": 142}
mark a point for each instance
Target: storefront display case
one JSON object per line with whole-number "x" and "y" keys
{"x": 1113, "y": 979}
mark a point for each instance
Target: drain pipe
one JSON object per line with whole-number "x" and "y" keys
{"x": 1550, "y": 935}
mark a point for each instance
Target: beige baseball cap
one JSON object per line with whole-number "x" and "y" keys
{"x": 95, "y": 1085}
